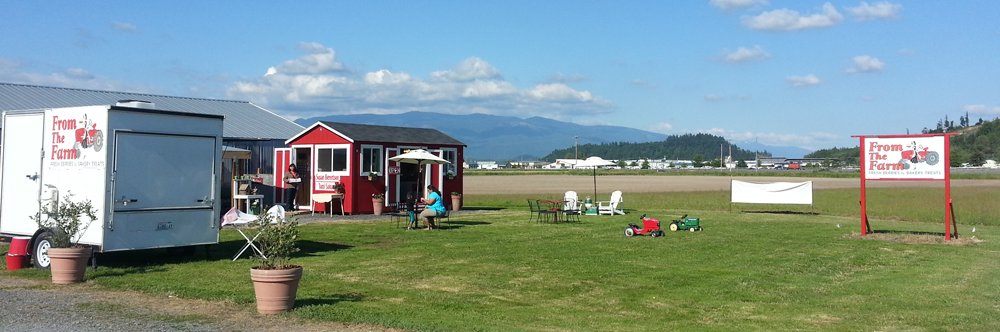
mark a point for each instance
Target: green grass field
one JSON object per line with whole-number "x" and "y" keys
{"x": 494, "y": 271}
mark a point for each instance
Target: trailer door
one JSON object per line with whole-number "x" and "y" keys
{"x": 154, "y": 171}
{"x": 163, "y": 191}
{"x": 22, "y": 168}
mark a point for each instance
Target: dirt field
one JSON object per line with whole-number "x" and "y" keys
{"x": 558, "y": 184}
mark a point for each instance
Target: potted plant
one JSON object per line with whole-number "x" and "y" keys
{"x": 64, "y": 228}
{"x": 450, "y": 175}
{"x": 338, "y": 188}
{"x": 275, "y": 281}
{"x": 372, "y": 176}
{"x": 456, "y": 201}
{"x": 377, "y": 203}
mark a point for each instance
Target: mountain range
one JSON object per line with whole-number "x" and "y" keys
{"x": 493, "y": 137}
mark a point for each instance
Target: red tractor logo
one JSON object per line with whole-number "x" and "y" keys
{"x": 88, "y": 136}
{"x": 918, "y": 154}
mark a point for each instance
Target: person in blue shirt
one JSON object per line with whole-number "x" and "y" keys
{"x": 434, "y": 206}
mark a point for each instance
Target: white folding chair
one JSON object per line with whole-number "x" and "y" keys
{"x": 613, "y": 206}
{"x": 242, "y": 221}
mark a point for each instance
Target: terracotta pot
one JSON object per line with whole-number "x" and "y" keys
{"x": 68, "y": 264}
{"x": 275, "y": 289}
{"x": 456, "y": 203}
{"x": 377, "y": 206}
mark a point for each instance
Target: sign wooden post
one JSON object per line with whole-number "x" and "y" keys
{"x": 923, "y": 157}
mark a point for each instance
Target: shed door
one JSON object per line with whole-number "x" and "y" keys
{"x": 393, "y": 193}
{"x": 22, "y": 160}
{"x": 154, "y": 171}
{"x": 282, "y": 158}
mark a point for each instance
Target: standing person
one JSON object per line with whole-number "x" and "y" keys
{"x": 293, "y": 180}
{"x": 411, "y": 209}
{"x": 434, "y": 206}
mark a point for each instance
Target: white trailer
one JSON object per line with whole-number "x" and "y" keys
{"x": 152, "y": 175}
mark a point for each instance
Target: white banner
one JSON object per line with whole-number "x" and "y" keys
{"x": 911, "y": 158}
{"x": 772, "y": 192}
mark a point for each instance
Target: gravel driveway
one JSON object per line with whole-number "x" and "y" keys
{"x": 39, "y": 306}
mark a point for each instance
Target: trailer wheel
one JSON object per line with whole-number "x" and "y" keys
{"x": 629, "y": 231}
{"x": 673, "y": 227}
{"x": 41, "y": 253}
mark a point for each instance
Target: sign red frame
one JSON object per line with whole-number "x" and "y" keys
{"x": 949, "y": 208}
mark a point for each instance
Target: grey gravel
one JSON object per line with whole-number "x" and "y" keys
{"x": 30, "y": 308}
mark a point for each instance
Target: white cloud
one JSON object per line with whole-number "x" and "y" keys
{"x": 743, "y": 54}
{"x": 982, "y": 109}
{"x": 470, "y": 69}
{"x": 866, "y": 64}
{"x": 882, "y": 10}
{"x": 803, "y": 80}
{"x": 560, "y": 78}
{"x": 320, "y": 60}
{"x": 78, "y": 73}
{"x": 662, "y": 128}
{"x": 790, "y": 20}
{"x": 301, "y": 88}
{"x": 730, "y": 5}
{"x": 122, "y": 26}
{"x": 714, "y": 97}
{"x": 639, "y": 82}
{"x": 811, "y": 141}
{"x": 906, "y": 51}
{"x": 15, "y": 72}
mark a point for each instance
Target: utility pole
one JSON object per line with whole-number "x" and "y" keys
{"x": 576, "y": 145}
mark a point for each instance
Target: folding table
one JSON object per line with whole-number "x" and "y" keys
{"x": 242, "y": 221}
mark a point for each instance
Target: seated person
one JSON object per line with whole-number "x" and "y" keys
{"x": 434, "y": 206}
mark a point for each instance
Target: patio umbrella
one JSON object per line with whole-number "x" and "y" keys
{"x": 594, "y": 162}
{"x": 420, "y": 157}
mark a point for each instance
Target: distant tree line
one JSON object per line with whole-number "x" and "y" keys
{"x": 976, "y": 143}
{"x": 846, "y": 156}
{"x": 686, "y": 146}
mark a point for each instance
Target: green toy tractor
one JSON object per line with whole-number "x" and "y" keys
{"x": 685, "y": 223}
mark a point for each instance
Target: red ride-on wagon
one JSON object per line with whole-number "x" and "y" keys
{"x": 649, "y": 226}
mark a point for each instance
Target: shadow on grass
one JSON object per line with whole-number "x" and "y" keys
{"x": 882, "y": 231}
{"x": 329, "y": 300}
{"x": 152, "y": 260}
{"x": 311, "y": 248}
{"x": 460, "y": 224}
{"x": 782, "y": 212}
{"x": 482, "y": 208}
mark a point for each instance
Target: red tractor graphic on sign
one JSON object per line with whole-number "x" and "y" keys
{"x": 88, "y": 136}
{"x": 918, "y": 154}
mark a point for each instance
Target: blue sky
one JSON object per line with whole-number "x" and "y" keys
{"x": 788, "y": 73}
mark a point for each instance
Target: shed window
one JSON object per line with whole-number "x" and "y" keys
{"x": 331, "y": 160}
{"x": 371, "y": 159}
{"x": 451, "y": 156}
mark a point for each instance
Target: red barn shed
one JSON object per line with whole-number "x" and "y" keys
{"x": 357, "y": 157}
